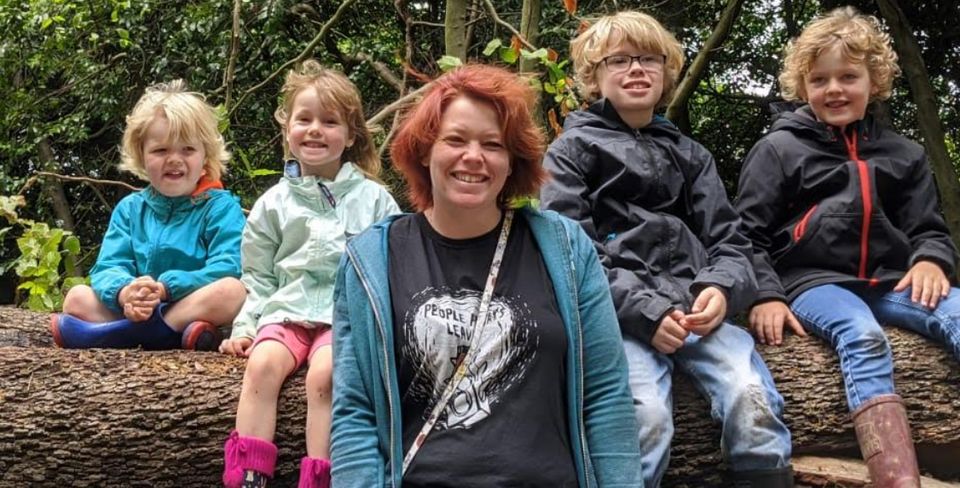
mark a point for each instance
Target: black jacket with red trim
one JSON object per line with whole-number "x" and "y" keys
{"x": 654, "y": 205}
{"x": 824, "y": 206}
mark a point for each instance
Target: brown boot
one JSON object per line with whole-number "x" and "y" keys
{"x": 885, "y": 442}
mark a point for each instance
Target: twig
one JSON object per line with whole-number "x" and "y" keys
{"x": 492, "y": 12}
{"x": 307, "y": 51}
{"x": 396, "y": 105}
{"x": 228, "y": 76}
{"x": 33, "y": 179}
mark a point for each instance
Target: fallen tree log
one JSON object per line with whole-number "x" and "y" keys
{"x": 104, "y": 417}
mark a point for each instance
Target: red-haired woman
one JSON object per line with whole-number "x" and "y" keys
{"x": 475, "y": 342}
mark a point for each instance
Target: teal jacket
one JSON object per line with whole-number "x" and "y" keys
{"x": 293, "y": 241}
{"x": 185, "y": 243}
{"x": 366, "y": 431}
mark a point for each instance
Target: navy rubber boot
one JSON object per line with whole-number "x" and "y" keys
{"x": 155, "y": 335}
{"x": 70, "y": 332}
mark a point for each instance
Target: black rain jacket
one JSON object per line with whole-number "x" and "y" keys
{"x": 824, "y": 206}
{"x": 652, "y": 202}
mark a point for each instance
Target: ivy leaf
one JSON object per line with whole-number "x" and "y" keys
{"x": 447, "y": 63}
{"x": 72, "y": 245}
{"x": 492, "y": 46}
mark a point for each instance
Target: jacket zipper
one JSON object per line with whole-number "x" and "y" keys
{"x": 564, "y": 238}
{"x": 386, "y": 359}
{"x": 864, "y": 172}
{"x": 801, "y": 227}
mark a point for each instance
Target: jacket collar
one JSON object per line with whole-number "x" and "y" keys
{"x": 346, "y": 179}
{"x": 602, "y": 113}
{"x": 166, "y": 206}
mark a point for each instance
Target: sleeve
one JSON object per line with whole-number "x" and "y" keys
{"x": 258, "y": 251}
{"x": 717, "y": 225}
{"x": 609, "y": 419}
{"x": 116, "y": 264}
{"x": 354, "y": 444}
{"x": 918, "y": 216}
{"x": 761, "y": 203}
{"x": 639, "y": 305}
{"x": 222, "y": 228}
{"x": 386, "y": 205}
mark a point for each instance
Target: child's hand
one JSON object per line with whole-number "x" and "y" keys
{"x": 140, "y": 297}
{"x": 767, "y": 320}
{"x": 928, "y": 284}
{"x": 708, "y": 311}
{"x": 236, "y": 347}
{"x": 670, "y": 335}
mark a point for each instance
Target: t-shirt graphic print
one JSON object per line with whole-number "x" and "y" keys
{"x": 438, "y": 330}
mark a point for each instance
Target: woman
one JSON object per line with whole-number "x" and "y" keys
{"x": 534, "y": 395}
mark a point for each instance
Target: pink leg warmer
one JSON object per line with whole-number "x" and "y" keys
{"x": 314, "y": 473}
{"x": 246, "y": 453}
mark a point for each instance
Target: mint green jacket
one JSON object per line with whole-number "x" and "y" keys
{"x": 292, "y": 244}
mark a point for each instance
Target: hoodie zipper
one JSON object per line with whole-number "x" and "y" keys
{"x": 386, "y": 358}
{"x": 801, "y": 227}
{"x": 864, "y": 172}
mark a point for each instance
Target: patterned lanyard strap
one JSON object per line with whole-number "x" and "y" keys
{"x": 464, "y": 363}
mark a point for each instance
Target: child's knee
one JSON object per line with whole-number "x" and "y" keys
{"x": 265, "y": 368}
{"x": 231, "y": 290}
{"x": 80, "y": 299}
{"x": 319, "y": 381}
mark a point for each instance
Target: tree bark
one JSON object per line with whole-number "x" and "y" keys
{"x": 105, "y": 417}
{"x": 530, "y": 30}
{"x": 677, "y": 111}
{"x": 455, "y": 29}
{"x": 53, "y": 188}
{"x": 911, "y": 60}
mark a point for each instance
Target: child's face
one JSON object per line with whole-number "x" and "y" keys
{"x": 173, "y": 167}
{"x": 837, "y": 89}
{"x": 633, "y": 86}
{"x": 316, "y": 136}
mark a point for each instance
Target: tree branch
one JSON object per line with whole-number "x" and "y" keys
{"x": 396, "y": 105}
{"x": 93, "y": 181}
{"x": 228, "y": 76}
{"x": 678, "y": 106}
{"x": 492, "y": 12}
{"x": 307, "y": 51}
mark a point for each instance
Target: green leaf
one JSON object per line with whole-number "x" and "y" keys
{"x": 263, "y": 172}
{"x": 549, "y": 88}
{"x": 447, "y": 63}
{"x": 508, "y": 55}
{"x": 45, "y": 23}
{"x": 492, "y": 46}
{"x": 72, "y": 245}
{"x": 538, "y": 54}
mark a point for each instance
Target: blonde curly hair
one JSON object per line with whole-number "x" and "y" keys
{"x": 860, "y": 40}
{"x": 338, "y": 93}
{"x": 190, "y": 117}
{"x": 606, "y": 33}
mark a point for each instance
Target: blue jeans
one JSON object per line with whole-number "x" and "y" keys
{"x": 849, "y": 318}
{"x": 725, "y": 367}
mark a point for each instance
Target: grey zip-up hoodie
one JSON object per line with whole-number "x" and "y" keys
{"x": 654, "y": 205}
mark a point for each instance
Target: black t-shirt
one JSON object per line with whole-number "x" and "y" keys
{"x": 506, "y": 425}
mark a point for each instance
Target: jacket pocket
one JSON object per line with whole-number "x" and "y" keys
{"x": 801, "y": 227}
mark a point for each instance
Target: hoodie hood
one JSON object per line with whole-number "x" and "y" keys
{"x": 803, "y": 122}
{"x": 602, "y": 113}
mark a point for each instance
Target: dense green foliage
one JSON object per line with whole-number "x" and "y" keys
{"x": 74, "y": 69}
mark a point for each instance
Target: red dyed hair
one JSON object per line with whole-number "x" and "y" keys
{"x": 510, "y": 96}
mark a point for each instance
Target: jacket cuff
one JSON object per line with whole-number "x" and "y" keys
{"x": 768, "y": 295}
{"x": 643, "y": 325}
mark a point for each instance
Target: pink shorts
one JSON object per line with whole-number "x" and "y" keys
{"x": 301, "y": 341}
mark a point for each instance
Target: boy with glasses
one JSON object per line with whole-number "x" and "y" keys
{"x": 670, "y": 245}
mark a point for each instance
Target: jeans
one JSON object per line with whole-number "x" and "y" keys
{"x": 849, "y": 318}
{"x": 725, "y": 367}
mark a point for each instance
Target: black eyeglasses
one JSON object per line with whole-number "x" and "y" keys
{"x": 619, "y": 63}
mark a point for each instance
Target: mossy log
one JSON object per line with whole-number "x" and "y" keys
{"x": 135, "y": 418}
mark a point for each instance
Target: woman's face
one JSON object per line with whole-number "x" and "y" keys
{"x": 469, "y": 162}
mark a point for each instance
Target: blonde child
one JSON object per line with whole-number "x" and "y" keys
{"x": 844, "y": 219}
{"x": 167, "y": 271}
{"x": 671, "y": 248}
{"x": 291, "y": 248}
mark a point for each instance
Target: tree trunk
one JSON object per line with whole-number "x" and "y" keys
{"x": 924, "y": 96}
{"x": 105, "y": 417}
{"x": 530, "y": 30}
{"x": 677, "y": 111}
{"x": 455, "y": 29}
{"x": 53, "y": 189}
